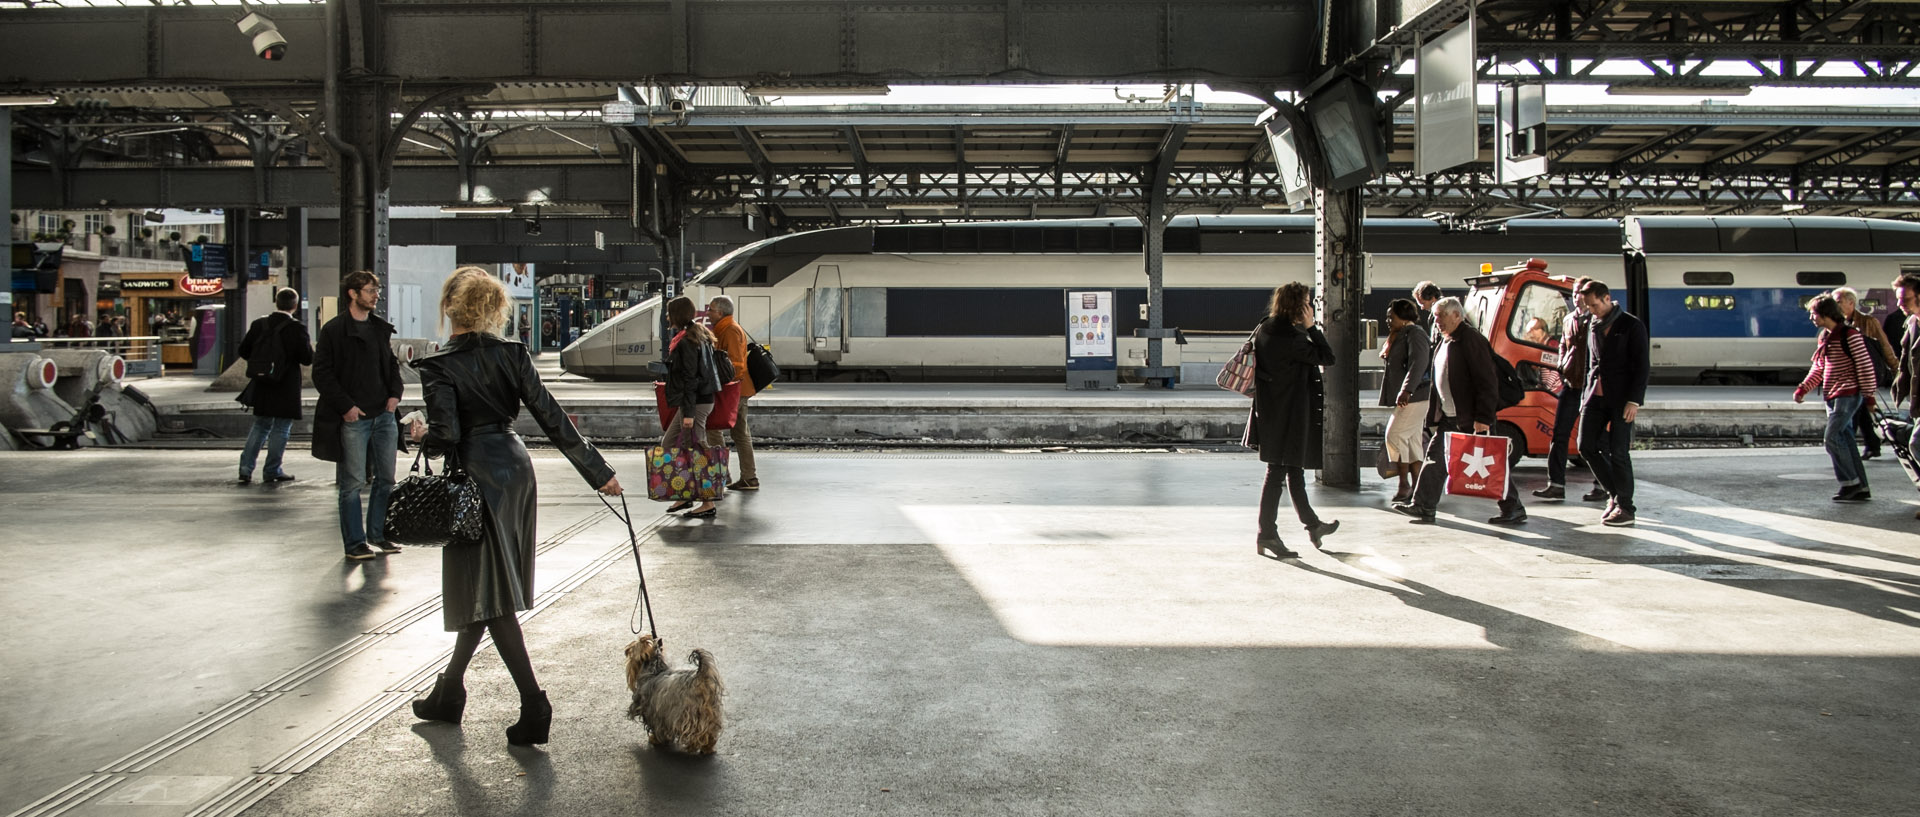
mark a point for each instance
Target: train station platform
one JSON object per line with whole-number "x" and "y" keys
{"x": 922, "y": 632}
{"x": 949, "y": 412}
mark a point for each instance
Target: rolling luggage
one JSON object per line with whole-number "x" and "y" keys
{"x": 1894, "y": 433}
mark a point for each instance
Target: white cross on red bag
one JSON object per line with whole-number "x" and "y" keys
{"x": 1477, "y": 465}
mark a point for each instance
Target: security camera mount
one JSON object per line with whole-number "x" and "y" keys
{"x": 268, "y": 44}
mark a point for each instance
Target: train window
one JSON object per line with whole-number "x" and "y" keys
{"x": 1537, "y": 315}
{"x": 1820, "y": 279}
{"x": 1711, "y": 302}
{"x": 1707, "y": 279}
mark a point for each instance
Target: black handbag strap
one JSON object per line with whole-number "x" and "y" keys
{"x": 420, "y": 461}
{"x": 633, "y": 542}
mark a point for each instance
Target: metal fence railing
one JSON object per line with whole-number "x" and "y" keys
{"x": 142, "y": 353}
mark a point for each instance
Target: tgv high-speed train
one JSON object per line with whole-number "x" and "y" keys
{"x": 1723, "y": 297}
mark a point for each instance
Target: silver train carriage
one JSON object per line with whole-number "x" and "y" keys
{"x": 1723, "y": 296}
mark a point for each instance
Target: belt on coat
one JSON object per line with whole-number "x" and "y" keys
{"x": 489, "y": 428}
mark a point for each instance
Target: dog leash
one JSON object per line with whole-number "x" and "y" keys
{"x": 633, "y": 542}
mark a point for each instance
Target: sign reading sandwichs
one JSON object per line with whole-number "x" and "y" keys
{"x": 169, "y": 285}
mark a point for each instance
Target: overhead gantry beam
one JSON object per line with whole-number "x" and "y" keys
{"x": 683, "y": 41}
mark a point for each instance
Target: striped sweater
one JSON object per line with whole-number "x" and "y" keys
{"x": 1839, "y": 369}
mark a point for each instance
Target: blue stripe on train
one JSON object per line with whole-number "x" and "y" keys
{"x": 1755, "y": 313}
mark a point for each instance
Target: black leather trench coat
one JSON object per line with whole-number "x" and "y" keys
{"x": 1289, "y": 398}
{"x": 474, "y": 387}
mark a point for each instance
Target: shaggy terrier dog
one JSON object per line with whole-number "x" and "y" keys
{"x": 680, "y": 707}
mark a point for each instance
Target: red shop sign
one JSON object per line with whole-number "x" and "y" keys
{"x": 201, "y": 286}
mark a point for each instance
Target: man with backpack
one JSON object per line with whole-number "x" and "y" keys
{"x": 1617, "y": 369}
{"x": 275, "y": 348}
{"x": 1466, "y": 396}
{"x": 1881, "y": 350}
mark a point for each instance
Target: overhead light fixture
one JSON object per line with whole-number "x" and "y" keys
{"x": 798, "y": 134}
{"x": 1008, "y": 134}
{"x": 477, "y": 209}
{"x": 154, "y": 217}
{"x": 25, "y": 100}
{"x": 920, "y": 206}
{"x": 1687, "y": 87}
{"x": 268, "y": 44}
{"x": 817, "y": 90}
{"x": 1792, "y": 207}
{"x": 879, "y": 185}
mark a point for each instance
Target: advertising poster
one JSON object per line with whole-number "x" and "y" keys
{"x": 1089, "y": 324}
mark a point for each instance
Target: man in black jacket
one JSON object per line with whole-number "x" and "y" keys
{"x": 359, "y": 381}
{"x": 1466, "y": 396}
{"x": 274, "y": 394}
{"x": 1906, "y": 370}
{"x": 1617, "y": 369}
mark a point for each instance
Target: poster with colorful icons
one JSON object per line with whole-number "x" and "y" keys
{"x": 1090, "y": 324}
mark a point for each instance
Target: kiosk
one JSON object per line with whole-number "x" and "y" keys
{"x": 1091, "y": 363}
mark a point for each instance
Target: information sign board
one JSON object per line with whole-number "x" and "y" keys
{"x": 1090, "y": 324}
{"x": 207, "y": 260}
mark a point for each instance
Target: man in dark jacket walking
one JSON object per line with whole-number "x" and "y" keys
{"x": 359, "y": 381}
{"x": 1566, "y": 415}
{"x": 1466, "y": 396}
{"x": 1617, "y": 369}
{"x": 274, "y": 393}
{"x": 1906, "y": 370}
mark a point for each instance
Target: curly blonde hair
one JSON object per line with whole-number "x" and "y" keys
{"x": 474, "y": 299}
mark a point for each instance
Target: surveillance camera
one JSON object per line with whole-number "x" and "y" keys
{"x": 267, "y": 42}
{"x": 678, "y": 107}
{"x": 533, "y": 226}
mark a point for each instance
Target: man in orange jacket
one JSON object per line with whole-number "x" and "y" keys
{"x": 730, "y": 338}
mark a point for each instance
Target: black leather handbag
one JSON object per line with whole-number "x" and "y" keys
{"x": 435, "y": 510}
{"x": 760, "y": 366}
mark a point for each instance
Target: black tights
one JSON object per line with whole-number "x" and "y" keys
{"x": 1293, "y": 480}
{"x": 507, "y": 641}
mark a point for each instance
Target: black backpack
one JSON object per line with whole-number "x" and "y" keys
{"x": 723, "y": 366}
{"x": 268, "y": 363}
{"x": 760, "y": 366}
{"x": 1882, "y": 368}
{"x": 1512, "y": 391}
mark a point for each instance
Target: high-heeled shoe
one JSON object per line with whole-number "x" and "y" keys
{"x": 445, "y": 703}
{"x": 1268, "y": 543}
{"x": 536, "y": 719}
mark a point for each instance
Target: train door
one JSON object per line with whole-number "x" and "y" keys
{"x": 754, "y": 313}
{"x": 827, "y": 315}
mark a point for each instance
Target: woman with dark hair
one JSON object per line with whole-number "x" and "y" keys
{"x": 1843, "y": 372}
{"x": 692, "y": 382}
{"x": 1407, "y": 388}
{"x": 475, "y": 387}
{"x": 1289, "y": 407}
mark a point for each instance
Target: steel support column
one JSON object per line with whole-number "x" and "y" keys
{"x": 6, "y": 202}
{"x": 1339, "y": 264}
{"x": 233, "y": 324}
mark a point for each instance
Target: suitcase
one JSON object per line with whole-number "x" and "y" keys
{"x": 1894, "y": 433}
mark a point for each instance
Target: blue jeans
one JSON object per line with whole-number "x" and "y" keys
{"x": 368, "y": 447}
{"x": 1846, "y": 459}
{"x": 274, "y": 432}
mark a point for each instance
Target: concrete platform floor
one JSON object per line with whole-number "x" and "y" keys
{"x": 978, "y": 633}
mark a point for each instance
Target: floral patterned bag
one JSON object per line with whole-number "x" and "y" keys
{"x": 1237, "y": 375}
{"x": 678, "y": 472}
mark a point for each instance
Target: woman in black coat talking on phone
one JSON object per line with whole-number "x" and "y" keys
{"x": 1289, "y": 409}
{"x": 475, "y": 387}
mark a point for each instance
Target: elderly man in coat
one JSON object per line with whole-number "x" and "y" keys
{"x": 1466, "y": 390}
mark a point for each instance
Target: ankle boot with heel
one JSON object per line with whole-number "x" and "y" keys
{"x": 445, "y": 703}
{"x": 536, "y": 719}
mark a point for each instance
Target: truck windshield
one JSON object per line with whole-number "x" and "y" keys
{"x": 1537, "y": 315}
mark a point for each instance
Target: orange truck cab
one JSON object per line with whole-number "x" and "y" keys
{"x": 1521, "y": 310}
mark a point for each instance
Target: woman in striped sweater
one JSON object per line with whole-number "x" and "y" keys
{"x": 1843, "y": 372}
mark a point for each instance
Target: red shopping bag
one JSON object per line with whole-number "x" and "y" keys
{"x": 1477, "y": 465}
{"x": 726, "y": 406}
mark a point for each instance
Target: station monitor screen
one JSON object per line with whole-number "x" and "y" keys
{"x": 1346, "y": 128}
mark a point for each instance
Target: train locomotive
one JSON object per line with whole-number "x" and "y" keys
{"x": 1723, "y": 296}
